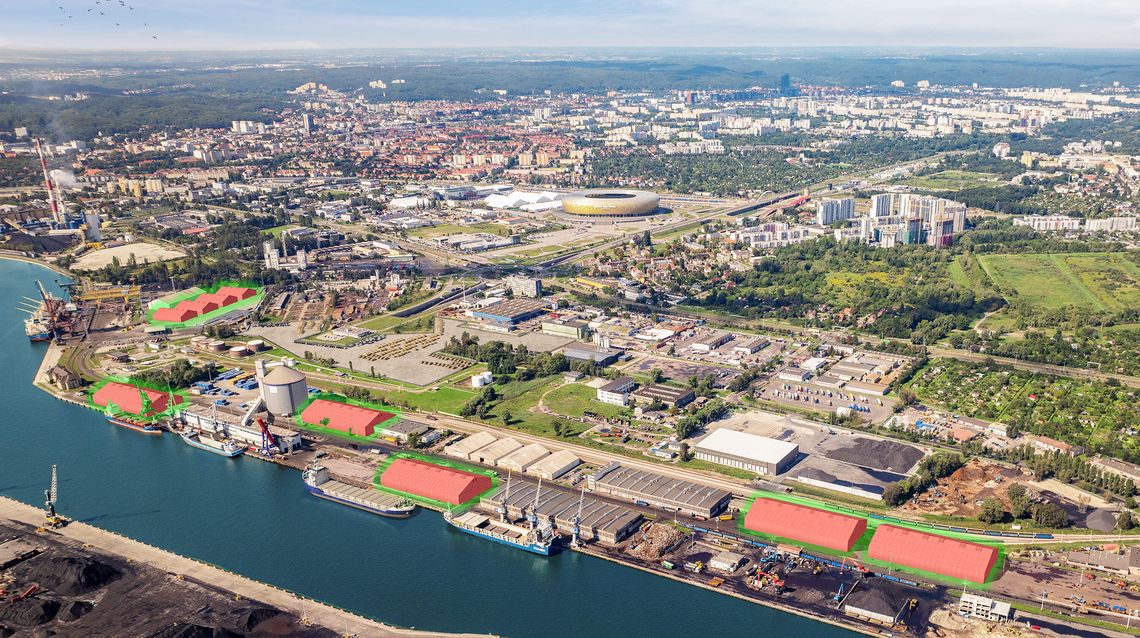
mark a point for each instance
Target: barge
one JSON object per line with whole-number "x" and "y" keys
{"x": 320, "y": 484}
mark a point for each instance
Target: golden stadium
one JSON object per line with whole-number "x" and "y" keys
{"x": 611, "y": 203}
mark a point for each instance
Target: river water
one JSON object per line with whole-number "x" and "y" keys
{"x": 255, "y": 518}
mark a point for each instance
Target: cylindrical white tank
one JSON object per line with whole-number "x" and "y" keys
{"x": 284, "y": 390}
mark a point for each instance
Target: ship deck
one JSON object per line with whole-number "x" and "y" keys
{"x": 360, "y": 495}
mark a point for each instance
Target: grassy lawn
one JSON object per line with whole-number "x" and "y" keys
{"x": 1097, "y": 281}
{"x": 574, "y": 399}
{"x": 277, "y": 230}
{"x": 952, "y": 180}
{"x": 444, "y": 399}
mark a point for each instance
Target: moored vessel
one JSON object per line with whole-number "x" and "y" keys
{"x": 210, "y": 443}
{"x": 319, "y": 483}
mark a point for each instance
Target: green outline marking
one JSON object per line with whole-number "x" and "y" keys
{"x": 442, "y": 462}
{"x": 859, "y": 549}
{"x": 115, "y": 410}
{"x": 397, "y": 414}
{"x": 195, "y": 292}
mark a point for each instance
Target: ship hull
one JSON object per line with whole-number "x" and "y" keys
{"x": 137, "y": 427}
{"x": 541, "y": 550}
{"x": 39, "y": 337}
{"x": 220, "y": 452}
{"x": 395, "y": 513}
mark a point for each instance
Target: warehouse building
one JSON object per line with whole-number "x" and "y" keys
{"x": 510, "y": 311}
{"x": 726, "y": 562}
{"x": 750, "y": 347}
{"x": 591, "y": 353}
{"x": 434, "y": 482}
{"x": 138, "y": 401}
{"x": 659, "y": 491}
{"x": 758, "y": 454}
{"x": 463, "y": 449}
{"x": 933, "y": 553}
{"x": 572, "y": 328}
{"x": 401, "y": 430}
{"x": 670, "y": 396}
{"x": 342, "y": 417}
{"x": 616, "y": 392}
{"x": 803, "y": 524}
{"x": 520, "y": 460}
{"x": 555, "y": 465}
{"x": 875, "y": 600}
{"x": 601, "y": 521}
{"x": 491, "y": 454}
{"x": 711, "y": 342}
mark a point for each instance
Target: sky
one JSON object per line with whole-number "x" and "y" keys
{"x": 339, "y": 24}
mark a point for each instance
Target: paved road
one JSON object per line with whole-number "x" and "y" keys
{"x": 317, "y": 613}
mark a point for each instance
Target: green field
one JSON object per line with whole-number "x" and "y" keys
{"x": 1106, "y": 282}
{"x": 575, "y": 399}
{"x": 952, "y": 181}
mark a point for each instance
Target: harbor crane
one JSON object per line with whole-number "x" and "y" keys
{"x": 532, "y": 516}
{"x": 576, "y": 530}
{"x": 502, "y": 508}
{"x": 269, "y": 443}
{"x": 52, "y": 518}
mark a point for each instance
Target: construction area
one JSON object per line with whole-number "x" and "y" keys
{"x": 961, "y": 495}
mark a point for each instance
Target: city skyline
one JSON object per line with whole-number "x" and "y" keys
{"x": 259, "y": 24}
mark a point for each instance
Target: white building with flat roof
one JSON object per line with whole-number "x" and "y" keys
{"x": 758, "y": 454}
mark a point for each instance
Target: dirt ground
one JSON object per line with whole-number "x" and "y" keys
{"x": 1027, "y": 577}
{"x": 961, "y": 493}
{"x": 144, "y": 253}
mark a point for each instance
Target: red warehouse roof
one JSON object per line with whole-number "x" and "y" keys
{"x": 223, "y": 298}
{"x": 239, "y": 292}
{"x": 174, "y": 314}
{"x": 346, "y": 418}
{"x": 804, "y": 524}
{"x": 201, "y": 307}
{"x": 933, "y": 553}
{"x": 129, "y": 399}
{"x": 434, "y": 481}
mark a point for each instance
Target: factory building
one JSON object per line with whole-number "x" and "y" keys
{"x": 432, "y": 481}
{"x": 758, "y": 454}
{"x": 711, "y": 342}
{"x": 600, "y": 521}
{"x": 933, "y": 553}
{"x": 670, "y": 396}
{"x": 283, "y": 389}
{"x": 975, "y": 606}
{"x": 138, "y": 401}
{"x": 510, "y": 312}
{"x": 659, "y": 491}
{"x": 803, "y": 524}
{"x": 520, "y": 460}
{"x": 463, "y": 449}
{"x": 342, "y": 417}
{"x": 248, "y": 434}
{"x": 555, "y": 465}
{"x": 616, "y": 392}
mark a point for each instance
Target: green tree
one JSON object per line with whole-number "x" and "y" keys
{"x": 506, "y": 417}
{"x": 1050, "y": 515}
{"x": 1125, "y": 522}
{"x": 992, "y": 511}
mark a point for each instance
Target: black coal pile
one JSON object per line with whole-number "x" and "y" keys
{"x": 70, "y": 575}
{"x": 75, "y": 610}
{"x": 194, "y": 631}
{"x": 29, "y": 612}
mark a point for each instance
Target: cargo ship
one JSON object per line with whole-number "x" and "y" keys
{"x": 40, "y": 325}
{"x": 319, "y": 483}
{"x": 537, "y": 540}
{"x": 208, "y": 442}
{"x": 137, "y": 426}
